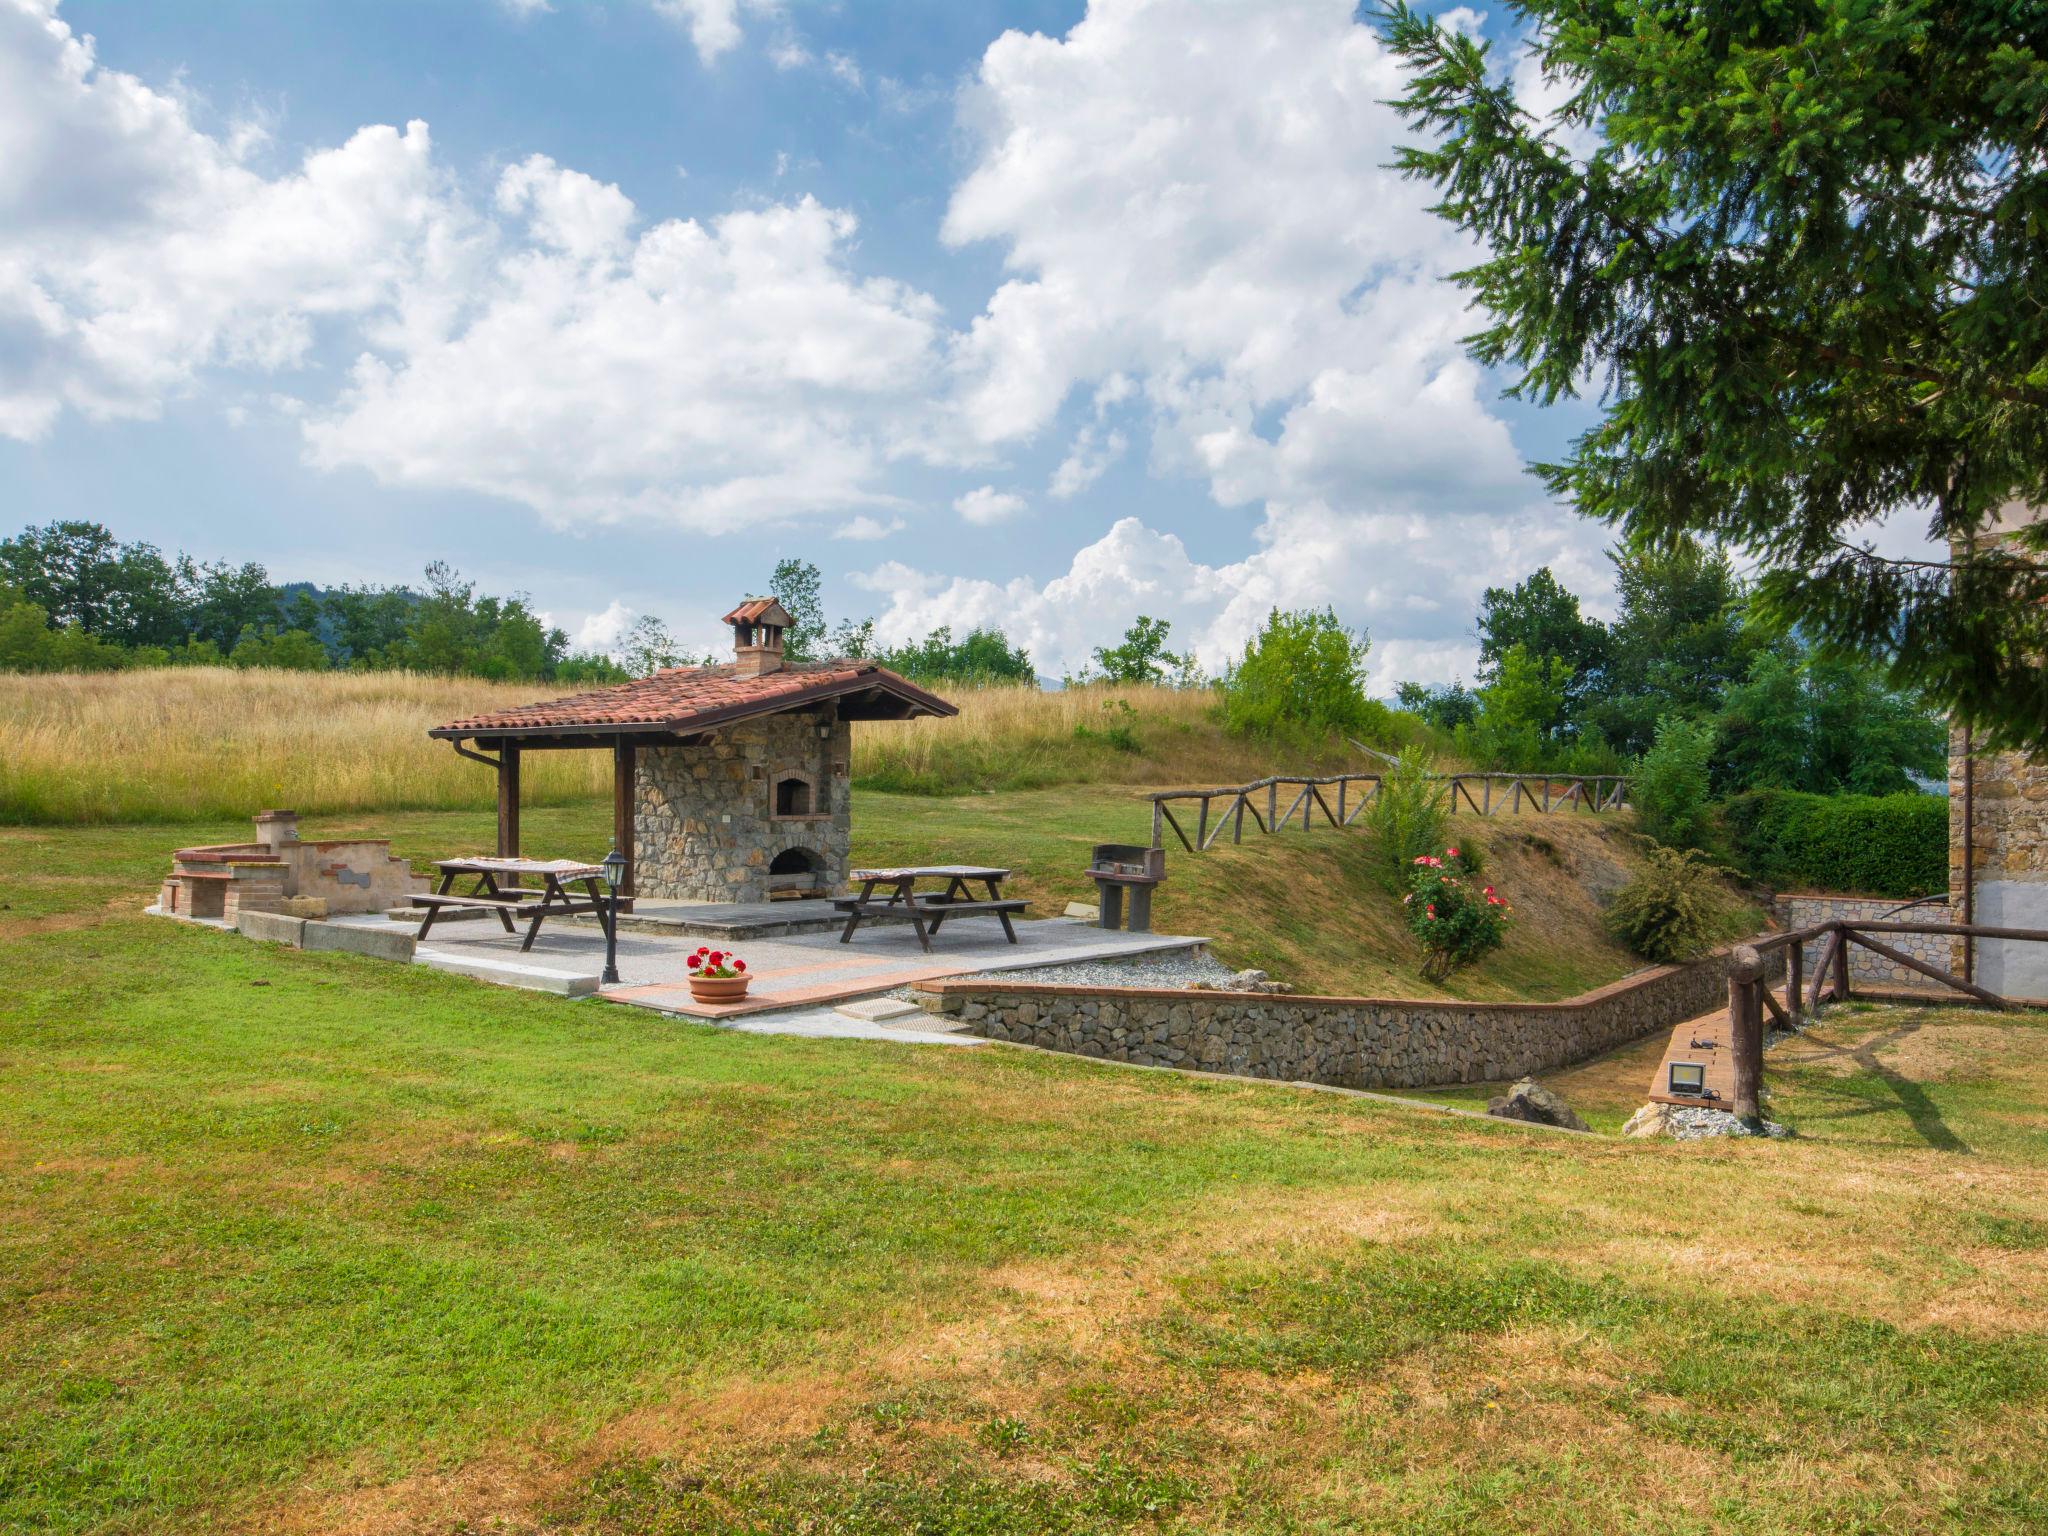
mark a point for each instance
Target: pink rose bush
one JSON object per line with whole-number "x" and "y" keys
{"x": 1456, "y": 918}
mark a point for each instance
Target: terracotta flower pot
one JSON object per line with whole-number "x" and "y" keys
{"x": 719, "y": 989}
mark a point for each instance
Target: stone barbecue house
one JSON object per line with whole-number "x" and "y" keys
{"x": 729, "y": 782}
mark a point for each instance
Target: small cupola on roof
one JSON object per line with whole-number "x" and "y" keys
{"x": 757, "y": 626}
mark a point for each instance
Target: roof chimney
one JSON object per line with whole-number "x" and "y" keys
{"x": 757, "y": 626}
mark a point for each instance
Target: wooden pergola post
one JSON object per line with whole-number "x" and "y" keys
{"x": 622, "y": 814}
{"x": 508, "y": 801}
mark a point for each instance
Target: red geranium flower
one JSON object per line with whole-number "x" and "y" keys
{"x": 694, "y": 961}
{"x": 739, "y": 965}
{"x": 715, "y": 956}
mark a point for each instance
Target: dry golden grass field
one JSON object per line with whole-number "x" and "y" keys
{"x": 193, "y": 743}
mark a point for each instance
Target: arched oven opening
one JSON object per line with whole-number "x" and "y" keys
{"x": 796, "y": 873}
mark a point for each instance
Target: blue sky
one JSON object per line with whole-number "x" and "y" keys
{"x": 1023, "y": 313}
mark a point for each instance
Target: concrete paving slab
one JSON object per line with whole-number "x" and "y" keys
{"x": 792, "y": 972}
{"x": 511, "y": 972}
{"x": 880, "y": 1010}
{"x": 272, "y": 927}
{"x": 383, "y": 941}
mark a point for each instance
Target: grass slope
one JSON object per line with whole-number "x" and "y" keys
{"x": 1308, "y": 907}
{"x": 295, "y": 1241}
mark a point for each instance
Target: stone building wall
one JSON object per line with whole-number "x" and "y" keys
{"x": 1344, "y": 1042}
{"x": 2010, "y": 853}
{"x": 704, "y": 822}
{"x": 1803, "y": 909}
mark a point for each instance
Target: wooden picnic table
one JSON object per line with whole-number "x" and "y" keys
{"x": 928, "y": 911}
{"x": 533, "y": 907}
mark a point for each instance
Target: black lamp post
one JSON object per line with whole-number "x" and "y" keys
{"x": 614, "y": 875}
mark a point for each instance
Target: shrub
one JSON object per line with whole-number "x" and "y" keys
{"x": 1456, "y": 918}
{"x": 1408, "y": 816}
{"x": 1119, "y": 732}
{"x": 1302, "y": 672}
{"x": 1671, "y": 910}
{"x": 1878, "y": 845}
{"x": 1671, "y": 786}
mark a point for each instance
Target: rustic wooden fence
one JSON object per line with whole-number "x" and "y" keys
{"x": 1341, "y": 797}
{"x": 1750, "y": 996}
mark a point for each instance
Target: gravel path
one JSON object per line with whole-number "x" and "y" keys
{"x": 1172, "y": 969}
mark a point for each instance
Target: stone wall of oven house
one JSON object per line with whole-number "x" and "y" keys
{"x": 1803, "y": 909}
{"x": 702, "y": 823}
{"x": 1344, "y": 1042}
{"x": 2010, "y": 850}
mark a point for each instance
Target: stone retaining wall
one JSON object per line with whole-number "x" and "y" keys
{"x": 1803, "y": 909}
{"x": 1347, "y": 1042}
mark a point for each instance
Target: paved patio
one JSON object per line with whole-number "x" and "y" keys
{"x": 799, "y": 971}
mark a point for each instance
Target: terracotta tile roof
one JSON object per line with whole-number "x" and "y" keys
{"x": 754, "y": 609}
{"x": 690, "y": 698}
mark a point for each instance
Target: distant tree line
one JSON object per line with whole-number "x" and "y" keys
{"x": 1687, "y": 663}
{"x": 74, "y": 598}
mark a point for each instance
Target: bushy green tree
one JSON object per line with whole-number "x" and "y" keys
{"x": 1677, "y": 643}
{"x": 1446, "y": 706}
{"x": 983, "y": 655}
{"x": 1141, "y": 656}
{"x": 1672, "y": 784}
{"x": 1803, "y": 246}
{"x": 1302, "y": 673}
{"x": 797, "y": 585}
{"x": 1803, "y": 721}
{"x": 289, "y": 650}
{"x": 1539, "y": 615}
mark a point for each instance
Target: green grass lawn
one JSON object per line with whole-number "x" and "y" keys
{"x": 307, "y": 1242}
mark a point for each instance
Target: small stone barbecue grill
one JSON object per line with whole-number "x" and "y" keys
{"x": 1120, "y": 867}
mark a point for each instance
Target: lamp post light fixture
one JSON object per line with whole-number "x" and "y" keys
{"x": 614, "y": 876}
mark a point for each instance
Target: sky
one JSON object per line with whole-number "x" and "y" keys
{"x": 1040, "y": 315}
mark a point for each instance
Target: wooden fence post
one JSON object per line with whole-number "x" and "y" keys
{"x": 1746, "y": 1034}
{"x": 1158, "y": 825}
{"x": 1795, "y": 982}
{"x": 1273, "y": 807}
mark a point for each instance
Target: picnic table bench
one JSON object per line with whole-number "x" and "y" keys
{"x": 927, "y": 912}
{"x": 533, "y": 907}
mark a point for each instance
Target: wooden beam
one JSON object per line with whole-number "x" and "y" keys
{"x": 623, "y": 758}
{"x": 508, "y": 801}
{"x": 1900, "y": 957}
{"x": 1161, "y": 804}
{"x": 1745, "y": 1034}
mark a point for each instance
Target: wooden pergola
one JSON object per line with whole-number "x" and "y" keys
{"x": 675, "y": 707}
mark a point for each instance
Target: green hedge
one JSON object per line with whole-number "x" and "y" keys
{"x": 1875, "y": 845}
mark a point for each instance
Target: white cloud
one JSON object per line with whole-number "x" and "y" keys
{"x": 986, "y": 506}
{"x": 1417, "y": 608}
{"x": 713, "y": 25}
{"x": 709, "y": 375}
{"x": 865, "y": 529}
{"x": 525, "y": 8}
{"x": 1197, "y": 196}
{"x": 136, "y": 250}
{"x": 1087, "y": 461}
{"x": 1198, "y": 224}
{"x": 603, "y": 632}
{"x": 844, "y": 68}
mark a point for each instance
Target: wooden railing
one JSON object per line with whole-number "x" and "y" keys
{"x": 1486, "y": 794}
{"x": 1750, "y": 996}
